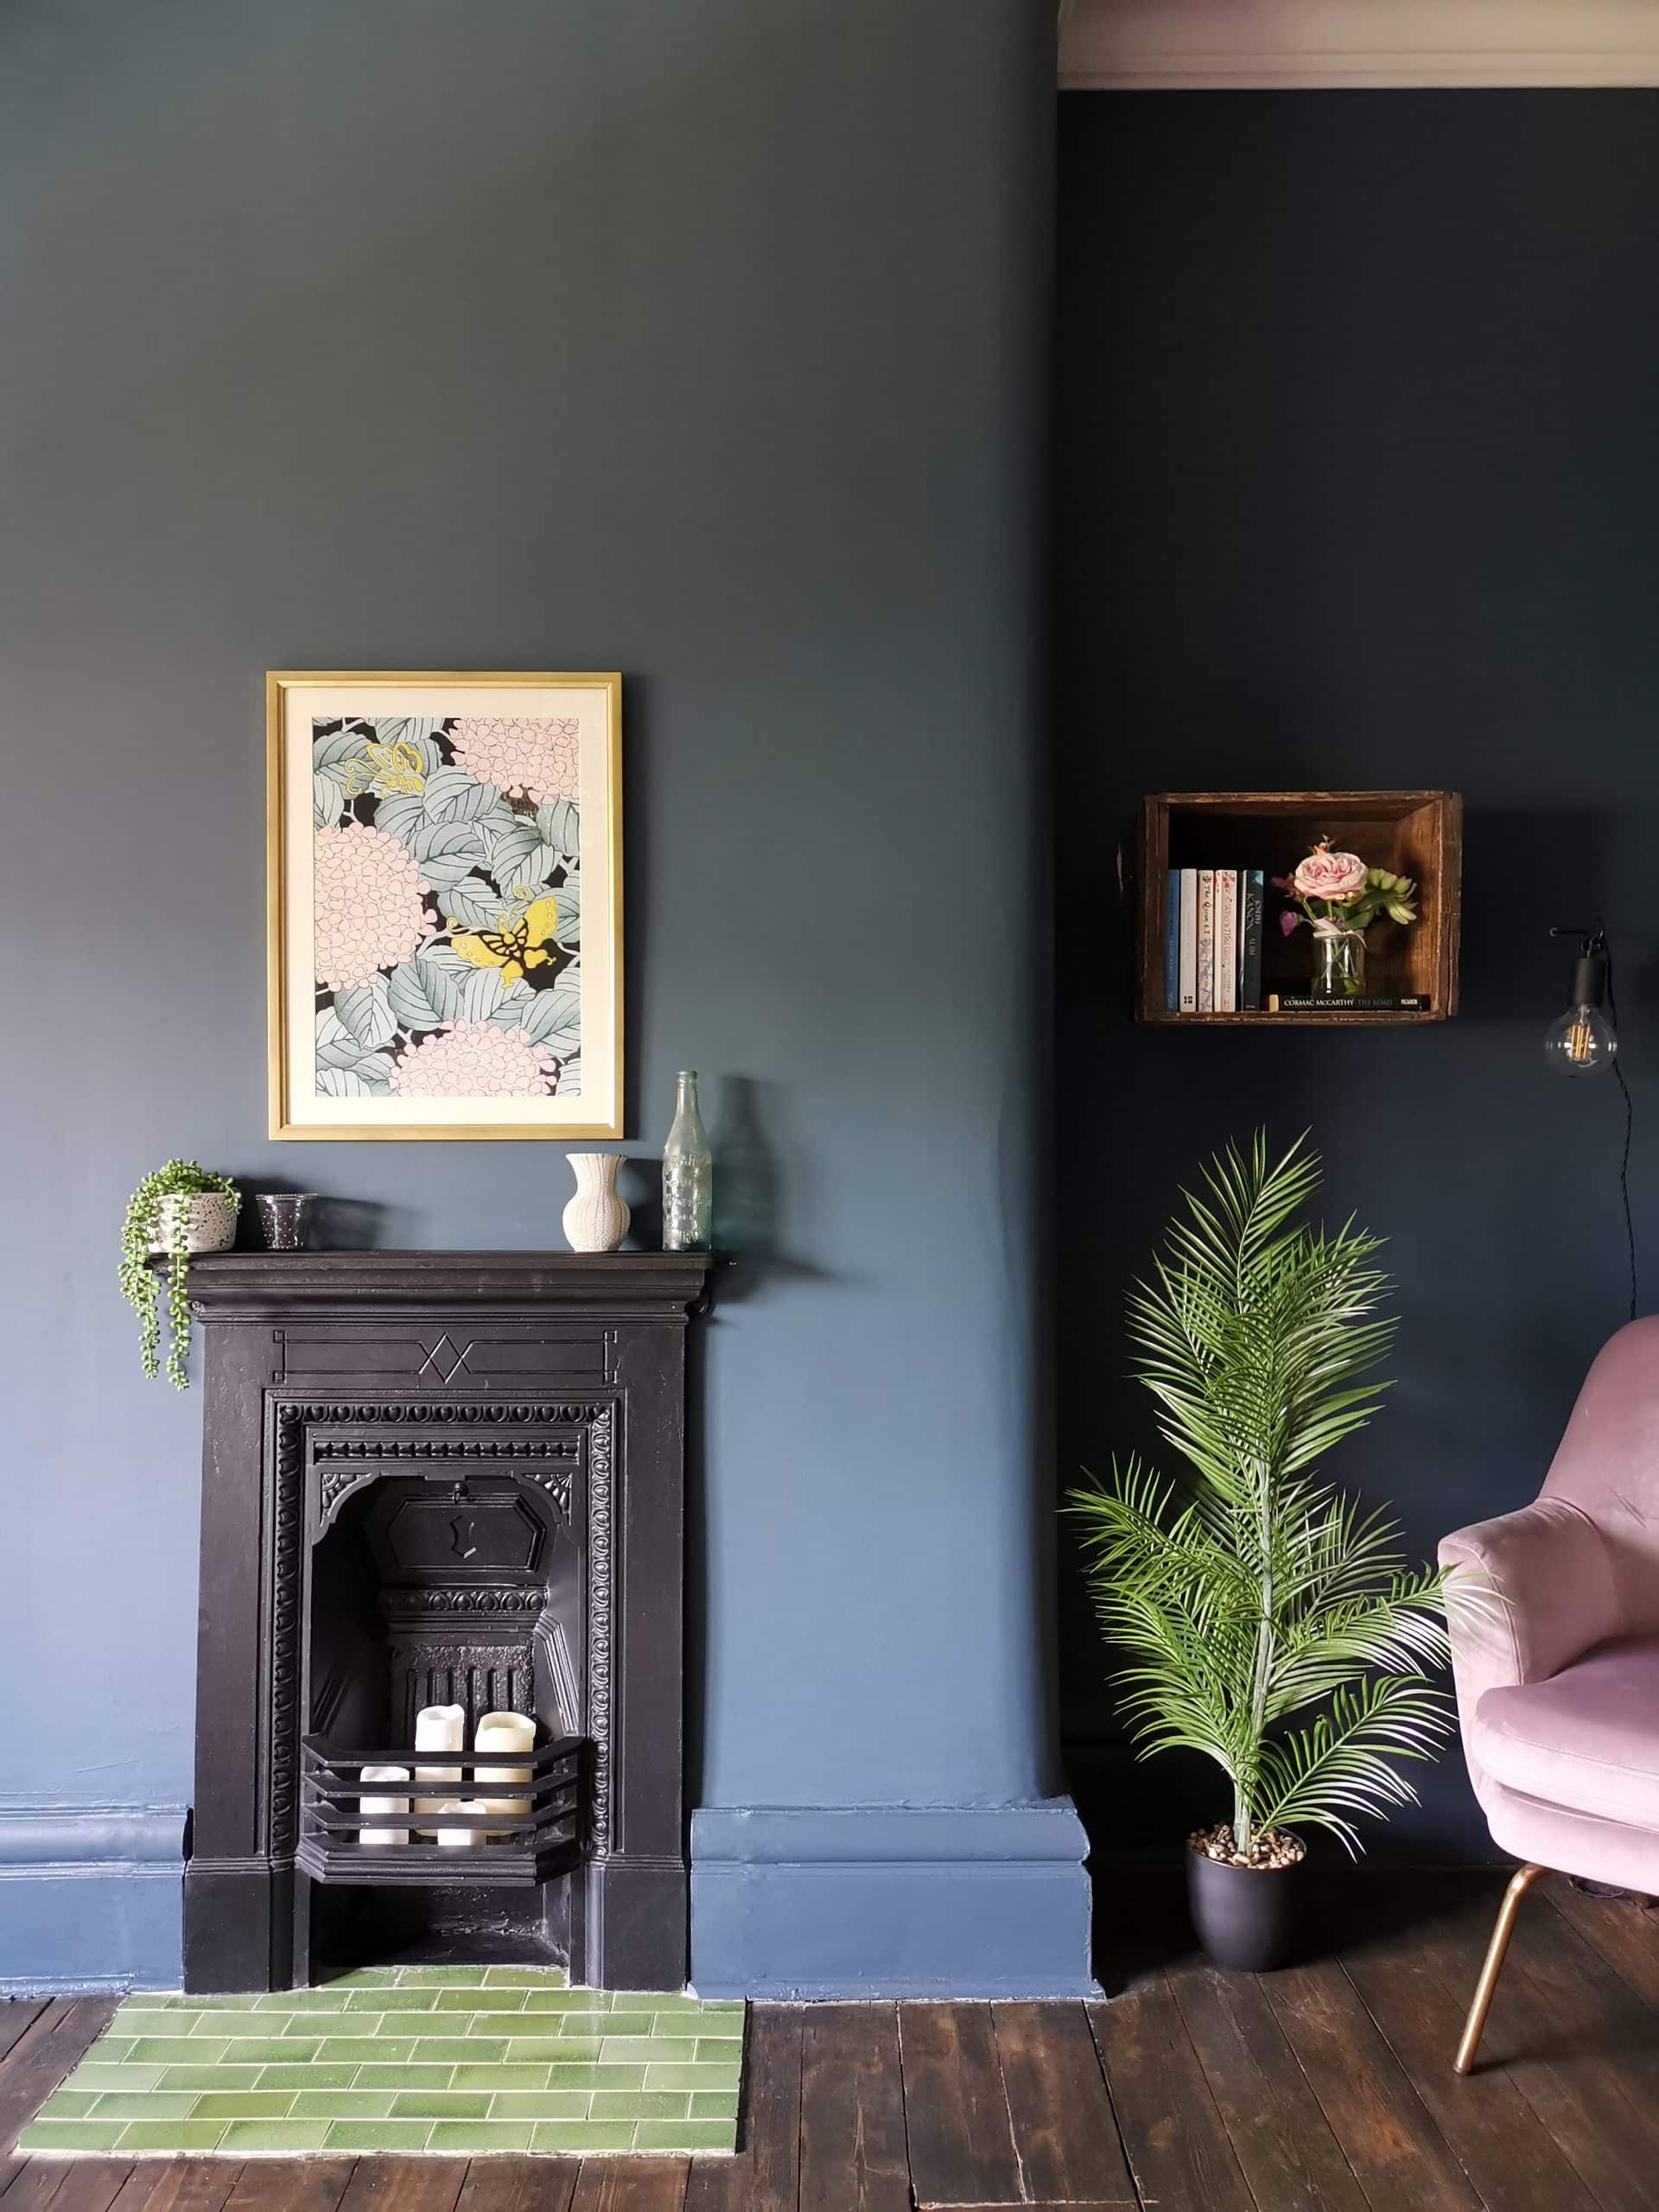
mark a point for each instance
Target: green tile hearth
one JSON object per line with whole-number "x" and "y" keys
{"x": 437, "y": 2059}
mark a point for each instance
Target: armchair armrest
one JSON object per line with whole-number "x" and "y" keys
{"x": 1551, "y": 1595}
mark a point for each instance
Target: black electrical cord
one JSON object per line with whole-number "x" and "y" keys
{"x": 1629, "y": 1125}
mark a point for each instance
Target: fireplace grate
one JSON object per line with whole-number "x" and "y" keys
{"x": 533, "y": 1845}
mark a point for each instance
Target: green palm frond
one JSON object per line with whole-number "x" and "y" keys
{"x": 1344, "y": 1762}
{"x": 1254, "y": 1592}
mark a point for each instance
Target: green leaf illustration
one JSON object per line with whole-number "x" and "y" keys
{"x": 510, "y": 850}
{"x": 328, "y": 798}
{"x": 447, "y": 851}
{"x": 472, "y": 903}
{"x": 336, "y": 1046}
{"x": 553, "y": 1019}
{"x": 401, "y": 815}
{"x": 371, "y": 1077}
{"x": 416, "y": 731}
{"x": 479, "y": 994}
{"x": 422, "y": 994}
{"x": 452, "y": 795}
{"x": 559, "y": 821}
{"x": 348, "y": 744}
{"x": 366, "y": 1011}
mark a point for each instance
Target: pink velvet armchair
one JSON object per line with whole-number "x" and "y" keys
{"x": 1557, "y": 1682}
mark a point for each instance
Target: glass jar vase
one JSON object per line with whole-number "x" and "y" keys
{"x": 1339, "y": 965}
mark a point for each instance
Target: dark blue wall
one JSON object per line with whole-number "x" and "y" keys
{"x": 704, "y": 341}
{"x": 1359, "y": 489}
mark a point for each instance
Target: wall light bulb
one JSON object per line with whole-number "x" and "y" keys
{"x": 1583, "y": 1041}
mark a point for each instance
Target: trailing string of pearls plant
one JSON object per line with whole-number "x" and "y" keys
{"x": 162, "y": 1217}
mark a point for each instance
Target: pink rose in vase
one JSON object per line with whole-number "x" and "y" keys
{"x": 1334, "y": 876}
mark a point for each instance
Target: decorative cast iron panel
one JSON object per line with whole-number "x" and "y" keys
{"x": 345, "y": 1464}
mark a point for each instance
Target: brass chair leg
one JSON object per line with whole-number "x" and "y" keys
{"x": 1519, "y": 1884}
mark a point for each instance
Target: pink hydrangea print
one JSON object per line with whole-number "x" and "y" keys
{"x": 524, "y": 756}
{"x": 369, "y": 896}
{"x": 471, "y": 1059}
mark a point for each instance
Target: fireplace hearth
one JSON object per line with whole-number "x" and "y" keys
{"x": 440, "y": 1478}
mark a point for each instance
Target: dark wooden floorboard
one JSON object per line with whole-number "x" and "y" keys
{"x": 33, "y": 2185}
{"x": 404, "y": 2185}
{"x": 92, "y": 2184}
{"x": 1557, "y": 2045}
{"x": 853, "y": 2148}
{"x": 1625, "y": 1932}
{"x": 1514, "y": 2162}
{"x": 1176, "y": 2141}
{"x": 1325, "y": 2088}
{"x": 17, "y": 2014}
{"x": 1571, "y": 1970}
{"x": 518, "y": 2185}
{"x": 291, "y": 2185}
{"x": 1400, "y": 2158}
{"x": 53, "y": 2042}
{"x": 956, "y": 2116}
{"x": 765, "y": 2175}
{"x": 631, "y": 2184}
{"x": 1065, "y": 2129}
{"x": 185, "y": 2185}
{"x": 1552, "y": 2047}
{"x": 1278, "y": 2133}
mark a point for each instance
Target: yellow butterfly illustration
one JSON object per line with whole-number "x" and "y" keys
{"x": 388, "y": 770}
{"x": 519, "y": 945}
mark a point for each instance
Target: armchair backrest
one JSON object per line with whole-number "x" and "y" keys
{"x": 1608, "y": 1466}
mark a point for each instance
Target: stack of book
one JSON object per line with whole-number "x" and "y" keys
{"x": 1212, "y": 949}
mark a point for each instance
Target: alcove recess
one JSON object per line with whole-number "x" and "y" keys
{"x": 1416, "y": 834}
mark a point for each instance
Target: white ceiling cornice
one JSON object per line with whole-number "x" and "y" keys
{"x": 1260, "y": 45}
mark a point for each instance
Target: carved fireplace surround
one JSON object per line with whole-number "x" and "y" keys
{"x": 440, "y": 1477}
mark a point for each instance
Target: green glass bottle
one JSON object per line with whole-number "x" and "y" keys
{"x": 688, "y": 1173}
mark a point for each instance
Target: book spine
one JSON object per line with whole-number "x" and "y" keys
{"x": 1207, "y": 940}
{"x": 1226, "y": 940}
{"x": 1252, "y": 894}
{"x": 1172, "y": 942}
{"x": 1189, "y": 997}
{"x": 1302, "y": 1003}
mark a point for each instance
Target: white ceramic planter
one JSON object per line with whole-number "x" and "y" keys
{"x": 210, "y": 1223}
{"x": 597, "y": 1219}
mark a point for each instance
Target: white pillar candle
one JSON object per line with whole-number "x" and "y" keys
{"x": 454, "y": 1838}
{"x": 438, "y": 1728}
{"x": 504, "y": 1731}
{"x": 369, "y": 1807}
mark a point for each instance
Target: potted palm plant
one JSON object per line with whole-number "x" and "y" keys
{"x": 1266, "y": 1619}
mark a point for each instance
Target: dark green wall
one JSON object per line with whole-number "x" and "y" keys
{"x": 1360, "y": 486}
{"x": 706, "y": 341}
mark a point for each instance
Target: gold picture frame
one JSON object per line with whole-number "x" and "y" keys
{"x": 444, "y": 907}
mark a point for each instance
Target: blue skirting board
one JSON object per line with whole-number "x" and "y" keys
{"x": 786, "y": 1901}
{"x": 884, "y": 1901}
{"x": 92, "y": 1896}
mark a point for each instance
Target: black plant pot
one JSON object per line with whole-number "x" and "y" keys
{"x": 1250, "y": 1917}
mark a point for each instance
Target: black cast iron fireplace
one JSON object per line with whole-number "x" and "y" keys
{"x": 440, "y": 1478}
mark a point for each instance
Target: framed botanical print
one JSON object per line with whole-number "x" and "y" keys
{"x": 445, "y": 906}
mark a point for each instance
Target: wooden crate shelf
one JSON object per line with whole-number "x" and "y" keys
{"x": 1419, "y": 833}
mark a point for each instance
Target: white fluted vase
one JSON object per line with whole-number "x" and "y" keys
{"x": 597, "y": 1219}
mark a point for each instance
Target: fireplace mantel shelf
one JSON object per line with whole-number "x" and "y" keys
{"x": 223, "y": 1282}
